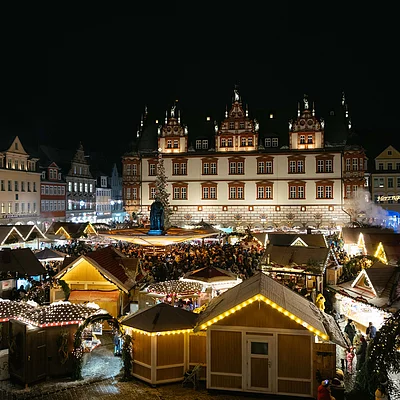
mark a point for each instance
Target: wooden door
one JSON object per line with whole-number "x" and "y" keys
{"x": 17, "y": 350}
{"x": 259, "y": 364}
{"x": 36, "y": 355}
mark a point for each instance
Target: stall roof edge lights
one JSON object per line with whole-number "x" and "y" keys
{"x": 280, "y": 309}
{"x": 161, "y": 333}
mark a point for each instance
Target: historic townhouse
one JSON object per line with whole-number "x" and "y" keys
{"x": 19, "y": 185}
{"x": 81, "y": 190}
{"x": 235, "y": 173}
{"x": 52, "y": 195}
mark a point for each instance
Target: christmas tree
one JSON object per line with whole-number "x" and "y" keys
{"x": 161, "y": 191}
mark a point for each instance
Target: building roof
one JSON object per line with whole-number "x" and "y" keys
{"x": 288, "y": 256}
{"x": 290, "y": 239}
{"x": 160, "y": 318}
{"x": 210, "y": 274}
{"x": 351, "y": 235}
{"x": 22, "y": 261}
{"x": 281, "y": 296}
{"x": 72, "y": 229}
{"x": 111, "y": 263}
{"x": 50, "y": 254}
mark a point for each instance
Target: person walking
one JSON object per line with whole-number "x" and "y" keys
{"x": 361, "y": 352}
{"x": 350, "y": 330}
{"x": 371, "y": 331}
{"x": 349, "y": 359}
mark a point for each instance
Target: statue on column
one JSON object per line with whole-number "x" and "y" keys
{"x": 156, "y": 218}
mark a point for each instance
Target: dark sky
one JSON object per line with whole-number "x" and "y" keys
{"x": 69, "y": 79}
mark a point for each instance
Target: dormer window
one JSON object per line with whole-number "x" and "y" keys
{"x": 198, "y": 144}
{"x": 302, "y": 139}
{"x": 268, "y": 142}
{"x": 204, "y": 144}
{"x": 241, "y": 125}
{"x": 389, "y": 152}
{"x": 309, "y": 139}
{"x": 16, "y": 146}
{"x": 231, "y": 125}
{"x": 274, "y": 142}
{"x": 169, "y": 144}
{"x": 44, "y": 175}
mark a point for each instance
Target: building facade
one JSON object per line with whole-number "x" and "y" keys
{"x": 118, "y": 213}
{"x": 81, "y": 190}
{"x": 103, "y": 199}
{"x": 240, "y": 175}
{"x": 385, "y": 179}
{"x": 52, "y": 195}
{"x": 19, "y": 186}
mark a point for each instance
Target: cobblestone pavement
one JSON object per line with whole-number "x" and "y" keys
{"x": 111, "y": 389}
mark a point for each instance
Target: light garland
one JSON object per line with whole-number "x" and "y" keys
{"x": 175, "y": 288}
{"x": 380, "y": 253}
{"x": 274, "y": 306}
{"x": 162, "y": 333}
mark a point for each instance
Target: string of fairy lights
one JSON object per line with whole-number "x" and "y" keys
{"x": 175, "y": 288}
{"x": 56, "y": 314}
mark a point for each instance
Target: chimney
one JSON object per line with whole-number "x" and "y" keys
{"x": 6, "y": 255}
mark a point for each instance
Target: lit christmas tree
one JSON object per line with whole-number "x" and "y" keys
{"x": 161, "y": 191}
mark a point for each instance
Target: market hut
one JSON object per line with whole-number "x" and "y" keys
{"x": 41, "y": 338}
{"x": 263, "y": 337}
{"x": 164, "y": 346}
{"x": 105, "y": 276}
{"x": 71, "y": 230}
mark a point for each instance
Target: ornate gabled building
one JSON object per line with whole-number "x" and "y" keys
{"x": 239, "y": 173}
{"x": 19, "y": 184}
{"x": 81, "y": 190}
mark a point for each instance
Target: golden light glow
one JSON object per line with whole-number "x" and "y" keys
{"x": 63, "y": 232}
{"x": 380, "y": 253}
{"x": 273, "y": 305}
{"x": 164, "y": 333}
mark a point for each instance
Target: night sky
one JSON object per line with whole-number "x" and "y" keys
{"x": 83, "y": 79}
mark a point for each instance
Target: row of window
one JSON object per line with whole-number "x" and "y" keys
{"x": 380, "y": 182}
{"x": 52, "y": 205}
{"x": 80, "y": 170}
{"x": 18, "y": 208}
{"x": 19, "y": 165}
{"x": 354, "y": 164}
{"x": 237, "y": 167}
{"x": 389, "y": 166}
{"x": 80, "y": 205}
{"x": 83, "y": 187}
{"x": 53, "y": 190}
{"x": 236, "y": 191}
{"x": 103, "y": 207}
{"x": 53, "y": 174}
{"x": 103, "y": 192}
{"x": 17, "y": 186}
{"x": 202, "y": 144}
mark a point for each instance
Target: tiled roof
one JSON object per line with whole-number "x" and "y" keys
{"x": 286, "y": 239}
{"x": 121, "y": 269}
{"x": 379, "y": 276}
{"x": 261, "y": 284}
{"x": 22, "y": 261}
{"x": 75, "y": 230}
{"x": 210, "y": 274}
{"x": 160, "y": 318}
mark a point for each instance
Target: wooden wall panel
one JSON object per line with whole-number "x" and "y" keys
{"x": 295, "y": 387}
{"x": 324, "y": 355}
{"x": 170, "y": 373}
{"x": 226, "y": 352}
{"x": 170, "y": 349}
{"x": 225, "y": 381}
{"x": 197, "y": 349}
{"x": 141, "y": 371}
{"x": 259, "y": 315}
{"x": 84, "y": 272}
{"x": 141, "y": 348}
{"x": 294, "y": 356}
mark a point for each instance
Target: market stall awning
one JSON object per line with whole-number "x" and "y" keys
{"x": 94, "y": 295}
{"x": 50, "y": 255}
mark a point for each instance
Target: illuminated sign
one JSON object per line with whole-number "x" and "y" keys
{"x": 387, "y": 198}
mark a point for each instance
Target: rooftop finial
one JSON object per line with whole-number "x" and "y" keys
{"x": 179, "y": 116}
{"x": 343, "y": 99}
{"x": 298, "y": 109}
{"x": 247, "y": 110}
{"x": 313, "y": 109}
{"x": 166, "y": 117}
{"x": 226, "y": 111}
{"x": 141, "y": 120}
{"x": 236, "y": 91}
{"x": 173, "y": 111}
{"x": 305, "y": 102}
{"x": 145, "y": 110}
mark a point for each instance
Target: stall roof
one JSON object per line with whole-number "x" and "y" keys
{"x": 287, "y": 299}
{"x": 22, "y": 261}
{"x": 71, "y": 229}
{"x": 210, "y": 274}
{"x": 50, "y": 254}
{"x": 22, "y": 232}
{"x": 292, "y": 239}
{"x": 161, "y": 317}
{"x": 351, "y": 235}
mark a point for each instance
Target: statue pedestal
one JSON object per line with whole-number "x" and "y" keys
{"x": 155, "y": 232}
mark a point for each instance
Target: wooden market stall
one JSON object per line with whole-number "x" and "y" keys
{"x": 41, "y": 338}
{"x": 164, "y": 345}
{"x": 262, "y": 336}
{"x": 105, "y": 276}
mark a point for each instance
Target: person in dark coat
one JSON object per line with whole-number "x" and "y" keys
{"x": 361, "y": 353}
{"x": 350, "y": 330}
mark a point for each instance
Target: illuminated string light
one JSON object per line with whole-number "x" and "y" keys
{"x": 280, "y": 309}
{"x": 162, "y": 333}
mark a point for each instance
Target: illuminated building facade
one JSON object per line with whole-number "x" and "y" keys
{"x": 235, "y": 173}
